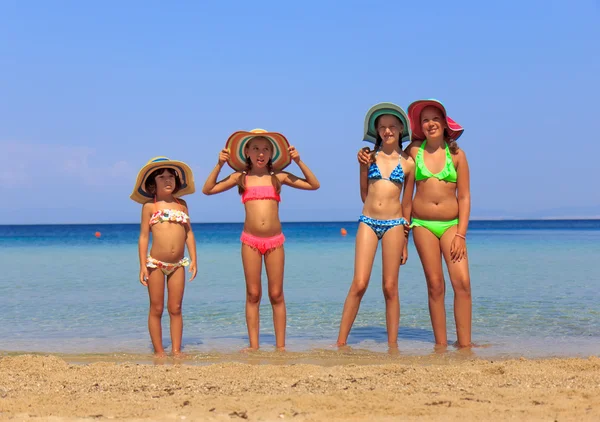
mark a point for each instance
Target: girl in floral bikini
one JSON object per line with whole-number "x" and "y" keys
{"x": 158, "y": 185}
{"x": 259, "y": 158}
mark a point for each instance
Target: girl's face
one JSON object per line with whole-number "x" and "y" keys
{"x": 165, "y": 182}
{"x": 389, "y": 128}
{"x": 260, "y": 151}
{"x": 433, "y": 122}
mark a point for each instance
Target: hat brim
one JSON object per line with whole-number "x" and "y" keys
{"x": 184, "y": 171}
{"x": 236, "y": 144}
{"x": 453, "y": 129}
{"x": 370, "y": 131}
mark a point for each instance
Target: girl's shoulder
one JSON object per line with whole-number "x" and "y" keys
{"x": 459, "y": 156}
{"x": 281, "y": 175}
{"x": 410, "y": 162}
{"x": 148, "y": 206}
{"x": 183, "y": 203}
{"x": 413, "y": 147}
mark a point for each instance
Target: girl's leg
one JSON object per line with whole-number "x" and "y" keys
{"x": 274, "y": 263}
{"x": 366, "y": 246}
{"x": 252, "y": 261}
{"x": 175, "y": 287}
{"x": 461, "y": 283}
{"x": 391, "y": 243}
{"x": 428, "y": 247}
{"x": 156, "y": 292}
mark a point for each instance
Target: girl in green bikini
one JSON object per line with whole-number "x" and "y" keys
{"x": 440, "y": 213}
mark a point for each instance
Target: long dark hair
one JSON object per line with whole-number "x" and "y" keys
{"x": 242, "y": 180}
{"x": 150, "y": 184}
{"x": 379, "y": 139}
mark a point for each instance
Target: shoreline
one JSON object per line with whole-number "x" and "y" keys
{"x": 319, "y": 351}
{"x": 318, "y": 357}
{"x": 36, "y": 387}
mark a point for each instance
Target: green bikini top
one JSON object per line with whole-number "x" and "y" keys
{"x": 447, "y": 174}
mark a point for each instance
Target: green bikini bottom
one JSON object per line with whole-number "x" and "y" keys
{"x": 438, "y": 228}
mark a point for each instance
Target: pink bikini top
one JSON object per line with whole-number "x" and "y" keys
{"x": 260, "y": 192}
{"x": 169, "y": 215}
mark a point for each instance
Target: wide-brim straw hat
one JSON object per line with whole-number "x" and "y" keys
{"x": 453, "y": 129}
{"x": 236, "y": 144}
{"x": 370, "y": 131}
{"x": 141, "y": 195}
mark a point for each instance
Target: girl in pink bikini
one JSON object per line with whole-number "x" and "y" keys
{"x": 258, "y": 158}
{"x": 158, "y": 185}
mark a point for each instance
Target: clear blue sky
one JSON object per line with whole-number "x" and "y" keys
{"x": 89, "y": 91}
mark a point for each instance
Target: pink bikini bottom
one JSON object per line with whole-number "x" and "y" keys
{"x": 263, "y": 244}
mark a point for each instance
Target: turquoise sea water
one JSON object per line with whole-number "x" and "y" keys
{"x": 536, "y": 290}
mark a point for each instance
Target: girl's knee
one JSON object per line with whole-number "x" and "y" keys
{"x": 462, "y": 287}
{"x": 359, "y": 286}
{"x": 175, "y": 309}
{"x": 156, "y": 309}
{"x": 253, "y": 296}
{"x": 390, "y": 290}
{"x": 436, "y": 287}
{"x": 276, "y": 296}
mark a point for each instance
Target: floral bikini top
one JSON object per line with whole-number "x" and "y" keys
{"x": 169, "y": 215}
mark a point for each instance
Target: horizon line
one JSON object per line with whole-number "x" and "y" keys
{"x": 489, "y": 219}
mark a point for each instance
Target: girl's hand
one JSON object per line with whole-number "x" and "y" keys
{"x": 458, "y": 249}
{"x": 193, "y": 271}
{"x": 404, "y": 256}
{"x": 223, "y": 156}
{"x": 294, "y": 154}
{"x": 144, "y": 276}
{"x": 406, "y": 231}
{"x": 364, "y": 156}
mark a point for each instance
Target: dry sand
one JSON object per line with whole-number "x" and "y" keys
{"x": 48, "y": 388}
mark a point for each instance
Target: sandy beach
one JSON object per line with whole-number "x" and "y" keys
{"x": 37, "y": 387}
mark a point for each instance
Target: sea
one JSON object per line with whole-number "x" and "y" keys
{"x": 74, "y": 289}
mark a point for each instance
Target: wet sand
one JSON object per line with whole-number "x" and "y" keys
{"x": 273, "y": 387}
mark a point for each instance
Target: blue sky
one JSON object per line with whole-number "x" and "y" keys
{"x": 89, "y": 91}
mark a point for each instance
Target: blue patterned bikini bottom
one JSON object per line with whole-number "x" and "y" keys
{"x": 381, "y": 226}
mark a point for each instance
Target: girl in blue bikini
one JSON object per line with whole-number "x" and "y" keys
{"x": 159, "y": 183}
{"x": 382, "y": 179}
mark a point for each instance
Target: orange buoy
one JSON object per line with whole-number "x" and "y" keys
{"x": 98, "y": 234}
{"x": 343, "y": 232}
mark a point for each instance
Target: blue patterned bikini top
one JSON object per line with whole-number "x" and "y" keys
{"x": 397, "y": 175}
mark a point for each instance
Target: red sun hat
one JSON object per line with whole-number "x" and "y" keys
{"x": 453, "y": 129}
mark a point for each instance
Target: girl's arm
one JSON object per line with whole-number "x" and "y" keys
{"x": 364, "y": 181}
{"x": 190, "y": 242}
{"x": 310, "y": 181}
{"x": 211, "y": 186}
{"x": 143, "y": 241}
{"x": 407, "y": 198}
{"x": 463, "y": 187}
{"x": 458, "y": 248}
{"x": 409, "y": 187}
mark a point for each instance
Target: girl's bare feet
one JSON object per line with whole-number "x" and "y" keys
{"x": 249, "y": 349}
{"x": 469, "y": 346}
{"x": 393, "y": 349}
{"x": 440, "y": 348}
{"x": 178, "y": 354}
